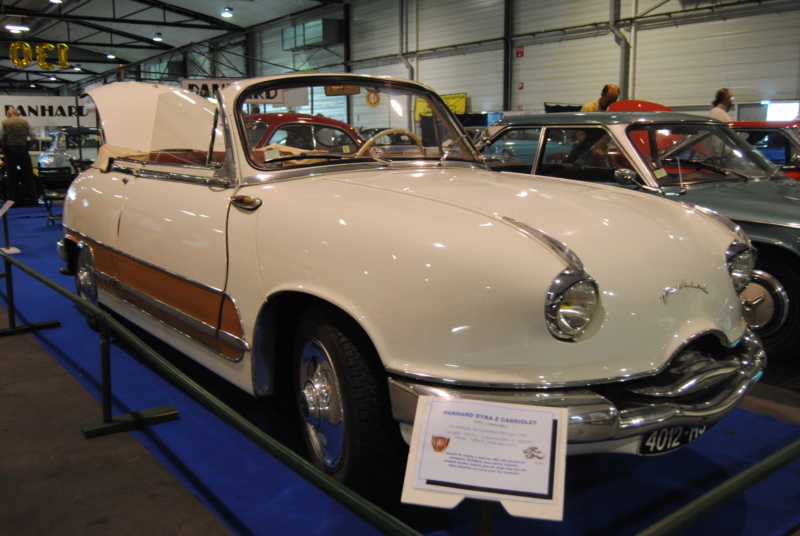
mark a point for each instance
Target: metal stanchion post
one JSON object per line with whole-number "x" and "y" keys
{"x": 110, "y": 424}
{"x": 12, "y": 328}
{"x": 105, "y": 373}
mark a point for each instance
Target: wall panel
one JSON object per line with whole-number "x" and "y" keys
{"x": 756, "y": 57}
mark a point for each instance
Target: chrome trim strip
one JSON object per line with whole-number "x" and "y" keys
{"x": 569, "y": 257}
{"x": 593, "y": 417}
{"x": 143, "y": 172}
{"x": 142, "y": 262}
{"x": 233, "y": 340}
{"x": 567, "y": 384}
{"x": 770, "y": 223}
{"x": 273, "y": 175}
{"x": 224, "y": 336}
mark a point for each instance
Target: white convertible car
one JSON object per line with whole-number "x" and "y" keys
{"x": 362, "y": 276}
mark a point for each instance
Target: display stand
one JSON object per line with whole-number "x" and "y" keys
{"x": 489, "y": 451}
{"x": 13, "y": 328}
{"x": 110, "y": 424}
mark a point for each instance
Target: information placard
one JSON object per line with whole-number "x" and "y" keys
{"x": 509, "y": 453}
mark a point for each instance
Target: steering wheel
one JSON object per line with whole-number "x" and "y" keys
{"x": 376, "y": 137}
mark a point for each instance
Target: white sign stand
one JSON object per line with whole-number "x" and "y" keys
{"x": 490, "y": 451}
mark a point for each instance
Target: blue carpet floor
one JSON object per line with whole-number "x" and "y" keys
{"x": 256, "y": 495}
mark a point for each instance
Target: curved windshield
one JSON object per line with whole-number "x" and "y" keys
{"x": 684, "y": 153}
{"x": 318, "y": 120}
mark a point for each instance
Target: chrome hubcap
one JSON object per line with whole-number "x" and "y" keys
{"x": 321, "y": 405}
{"x": 765, "y": 303}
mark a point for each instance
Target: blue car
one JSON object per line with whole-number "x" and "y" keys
{"x": 690, "y": 159}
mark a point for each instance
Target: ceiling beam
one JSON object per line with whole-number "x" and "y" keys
{"x": 212, "y": 24}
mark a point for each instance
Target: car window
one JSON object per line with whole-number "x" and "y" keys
{"x": 771, "y": 143}
{"x": 326, "y": 118}
{"x": 586, "y": 153}
{"x": 515, "y": 145}
{"x": 693, "y": 153}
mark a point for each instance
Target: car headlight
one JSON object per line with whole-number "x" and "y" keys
{"x": 571, "y": 304}
{"x": 741, "y": 259}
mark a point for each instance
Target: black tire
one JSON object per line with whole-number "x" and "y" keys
{"x": 85, "y": 285}
{"x": 344, "y": 403}
{"x": 772, "y": 306}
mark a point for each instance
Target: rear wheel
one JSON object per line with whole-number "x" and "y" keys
{"x": 85, "y": 285}
{"x": 772, "y": 307}
{"x": 344, "y": 402}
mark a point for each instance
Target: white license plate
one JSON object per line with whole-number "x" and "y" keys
{"x": 667, "y": 439}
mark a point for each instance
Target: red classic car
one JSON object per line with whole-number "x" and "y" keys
{"x": 777, "y": 140}
{"x": 301, "y": 131}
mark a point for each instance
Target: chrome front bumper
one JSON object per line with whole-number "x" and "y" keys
{"x": 594, "y": 417}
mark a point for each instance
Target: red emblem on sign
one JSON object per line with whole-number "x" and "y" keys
{"x": 440, "y": 443}
{"x": 373, "y": 99}
{"x": 520, "y": 52}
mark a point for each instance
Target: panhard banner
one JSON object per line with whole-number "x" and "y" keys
{"x": 206, "y": 87}
{"x": 50, "y": 111}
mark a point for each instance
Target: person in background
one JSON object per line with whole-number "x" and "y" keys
{"x": 608, "y": 96}
{"x": 20, "y": 180}
{"x": 723, "y": 101}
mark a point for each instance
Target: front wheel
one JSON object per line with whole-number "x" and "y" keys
{"x": 344, "y": 402}
{"x": 772, "y": 307}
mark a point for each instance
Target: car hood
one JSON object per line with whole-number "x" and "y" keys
{"x": 761, "y": 200}
{"x": 593, "y": 213}
{"x": 639, "y": 248}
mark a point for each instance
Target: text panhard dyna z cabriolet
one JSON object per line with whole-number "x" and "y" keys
{"x": 364, "y": 276}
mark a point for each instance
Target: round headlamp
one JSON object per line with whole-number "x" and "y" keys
{"x": 571, "y": 305}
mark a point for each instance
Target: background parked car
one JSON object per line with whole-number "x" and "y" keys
{"x": 77, "y": 143}
{"x": 695, "y": 160}
{"x": 302, "y": 131}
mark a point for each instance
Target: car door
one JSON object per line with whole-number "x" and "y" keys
{"x": 173, "y": 236}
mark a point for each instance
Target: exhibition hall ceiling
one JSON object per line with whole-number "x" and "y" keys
{"x": 97, "y": 36}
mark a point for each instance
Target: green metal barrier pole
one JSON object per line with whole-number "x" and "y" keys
{"x": 12, "y": 328}
{"x": 345, "y": 496}
{"x": 702, "y": 506}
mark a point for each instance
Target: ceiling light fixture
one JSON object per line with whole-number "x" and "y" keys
{"x": 157, "y": 37}
{"x": 16, "y": 28}
{"x": 110, "y": 56}
{"x": 227, "y": 13}
{"x": 56, "y": 1}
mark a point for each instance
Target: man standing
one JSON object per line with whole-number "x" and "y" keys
{"x": 723, "y": 101}
{"x": 20, "y": 181}
{"x": 608, "y": 96}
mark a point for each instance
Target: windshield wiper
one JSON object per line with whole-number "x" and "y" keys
{"x": 704, "y": 165}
